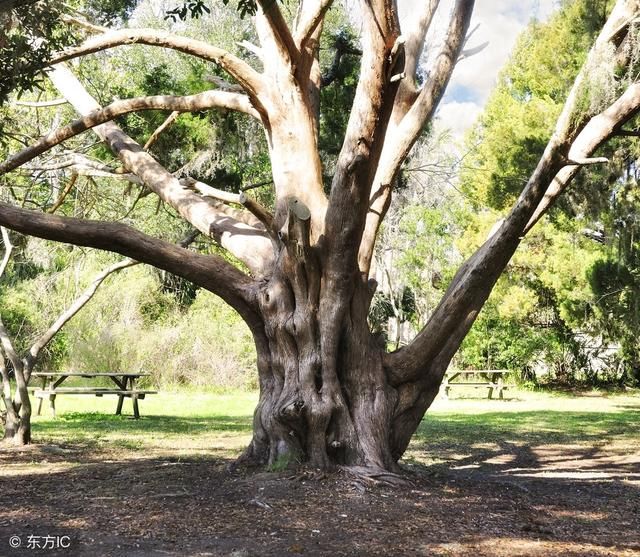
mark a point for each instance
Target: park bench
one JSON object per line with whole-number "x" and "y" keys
{"x": 124, "y": 387}
{"x": 492, "y": 379}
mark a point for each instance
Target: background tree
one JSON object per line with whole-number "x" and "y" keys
{"x": 329, "y": 393}
{"x": 557, "y": 283}
{"x": 17, "y": 419}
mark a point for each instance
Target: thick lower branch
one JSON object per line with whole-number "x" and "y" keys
{"x": 209, "y": 271}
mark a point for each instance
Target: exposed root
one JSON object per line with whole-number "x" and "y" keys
{"x": 376, "y": 477}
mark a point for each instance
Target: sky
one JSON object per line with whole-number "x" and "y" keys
{"x": 500, "y": 23}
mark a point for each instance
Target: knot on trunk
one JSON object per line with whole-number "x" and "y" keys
{"x": 292, "y": 410}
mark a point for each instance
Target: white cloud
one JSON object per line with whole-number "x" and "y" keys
{"x": 457, "y": 117}
{"x": 500, "y": 23}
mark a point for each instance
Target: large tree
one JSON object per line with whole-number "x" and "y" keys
{"x": 329, "y": 392}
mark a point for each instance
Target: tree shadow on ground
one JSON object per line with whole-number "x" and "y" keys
{"x": 195, "y": 507}
{"x": 494, "y": 484}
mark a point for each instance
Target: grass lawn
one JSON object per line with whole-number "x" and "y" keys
{"x": 176, "y": 423}
{"x": 189, "y": 423}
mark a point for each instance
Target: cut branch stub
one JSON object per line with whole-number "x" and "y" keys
{"x": 296, "y": 229}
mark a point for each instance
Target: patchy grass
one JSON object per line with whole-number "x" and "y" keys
{"x": 534, "y": 433}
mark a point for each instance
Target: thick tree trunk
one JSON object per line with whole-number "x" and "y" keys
{"x": 306, "y": 414}
{"x": 321, "y": 402}
{"x": 357, "y": 418}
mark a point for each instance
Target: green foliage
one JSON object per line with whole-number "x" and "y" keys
{"x": 203, "y": 344}
{"x": 340, "y": 64}
{"x": 23, "y": 52}
{"x": 109, "y": 12}
{"x": 547, "y": 310}
{"x": 197, "y": 8}
{"x": 520, "y": 114}
{"x": 30, "y": 302}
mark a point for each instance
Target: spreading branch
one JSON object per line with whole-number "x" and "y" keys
{"x": 211, "y": 272}
{"x": 190, "y": 103}
{"x": 242, "y": 72}
{"x": 471, "y": 286}
{"x": 251, "y": 246}
{"x": 364, "y": 138}
{"x": 409, "y": 124}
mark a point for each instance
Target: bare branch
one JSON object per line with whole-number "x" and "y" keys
{"x": 246, "y": 76}
{"x": 84, "y": 24}
{"x": 469, "y": 52}
{"x": 63, "y": 195}
{"x": 248, "y": 244}
{"x": 156, "y": 134}
{"x": 600, "y": 129}
{"x": 250, "y": 47}
{"x": 341, "y": 49}
{"x": 586, "y": 161}
{"x": 415, "y": 35}
{"x": 310, "y": 17}
{"x": 411, "y": 119}
{"x": 264, "y": 216}
{"x": 8, "y": 248}
{"x": 191, "y": 103}
{"x": 223, "y": 85}
{"x": 72, "y": 310}
{"x": 269, "y": 12}
{"x": 209, "y": 191}
{"x": 41, "y": 104}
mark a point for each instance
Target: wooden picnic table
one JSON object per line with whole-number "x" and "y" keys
{"x": 124, "y": 387}
{"x": 477, "y": 378}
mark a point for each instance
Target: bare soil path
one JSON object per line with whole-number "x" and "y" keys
{"x": 504, "y": 494}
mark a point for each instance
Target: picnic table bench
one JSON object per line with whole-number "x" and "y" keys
{"x": 476, "y": 378}
{"x": 124, "y": 387}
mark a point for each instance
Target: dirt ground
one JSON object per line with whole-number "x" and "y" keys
{"x": 547, "y": 500}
